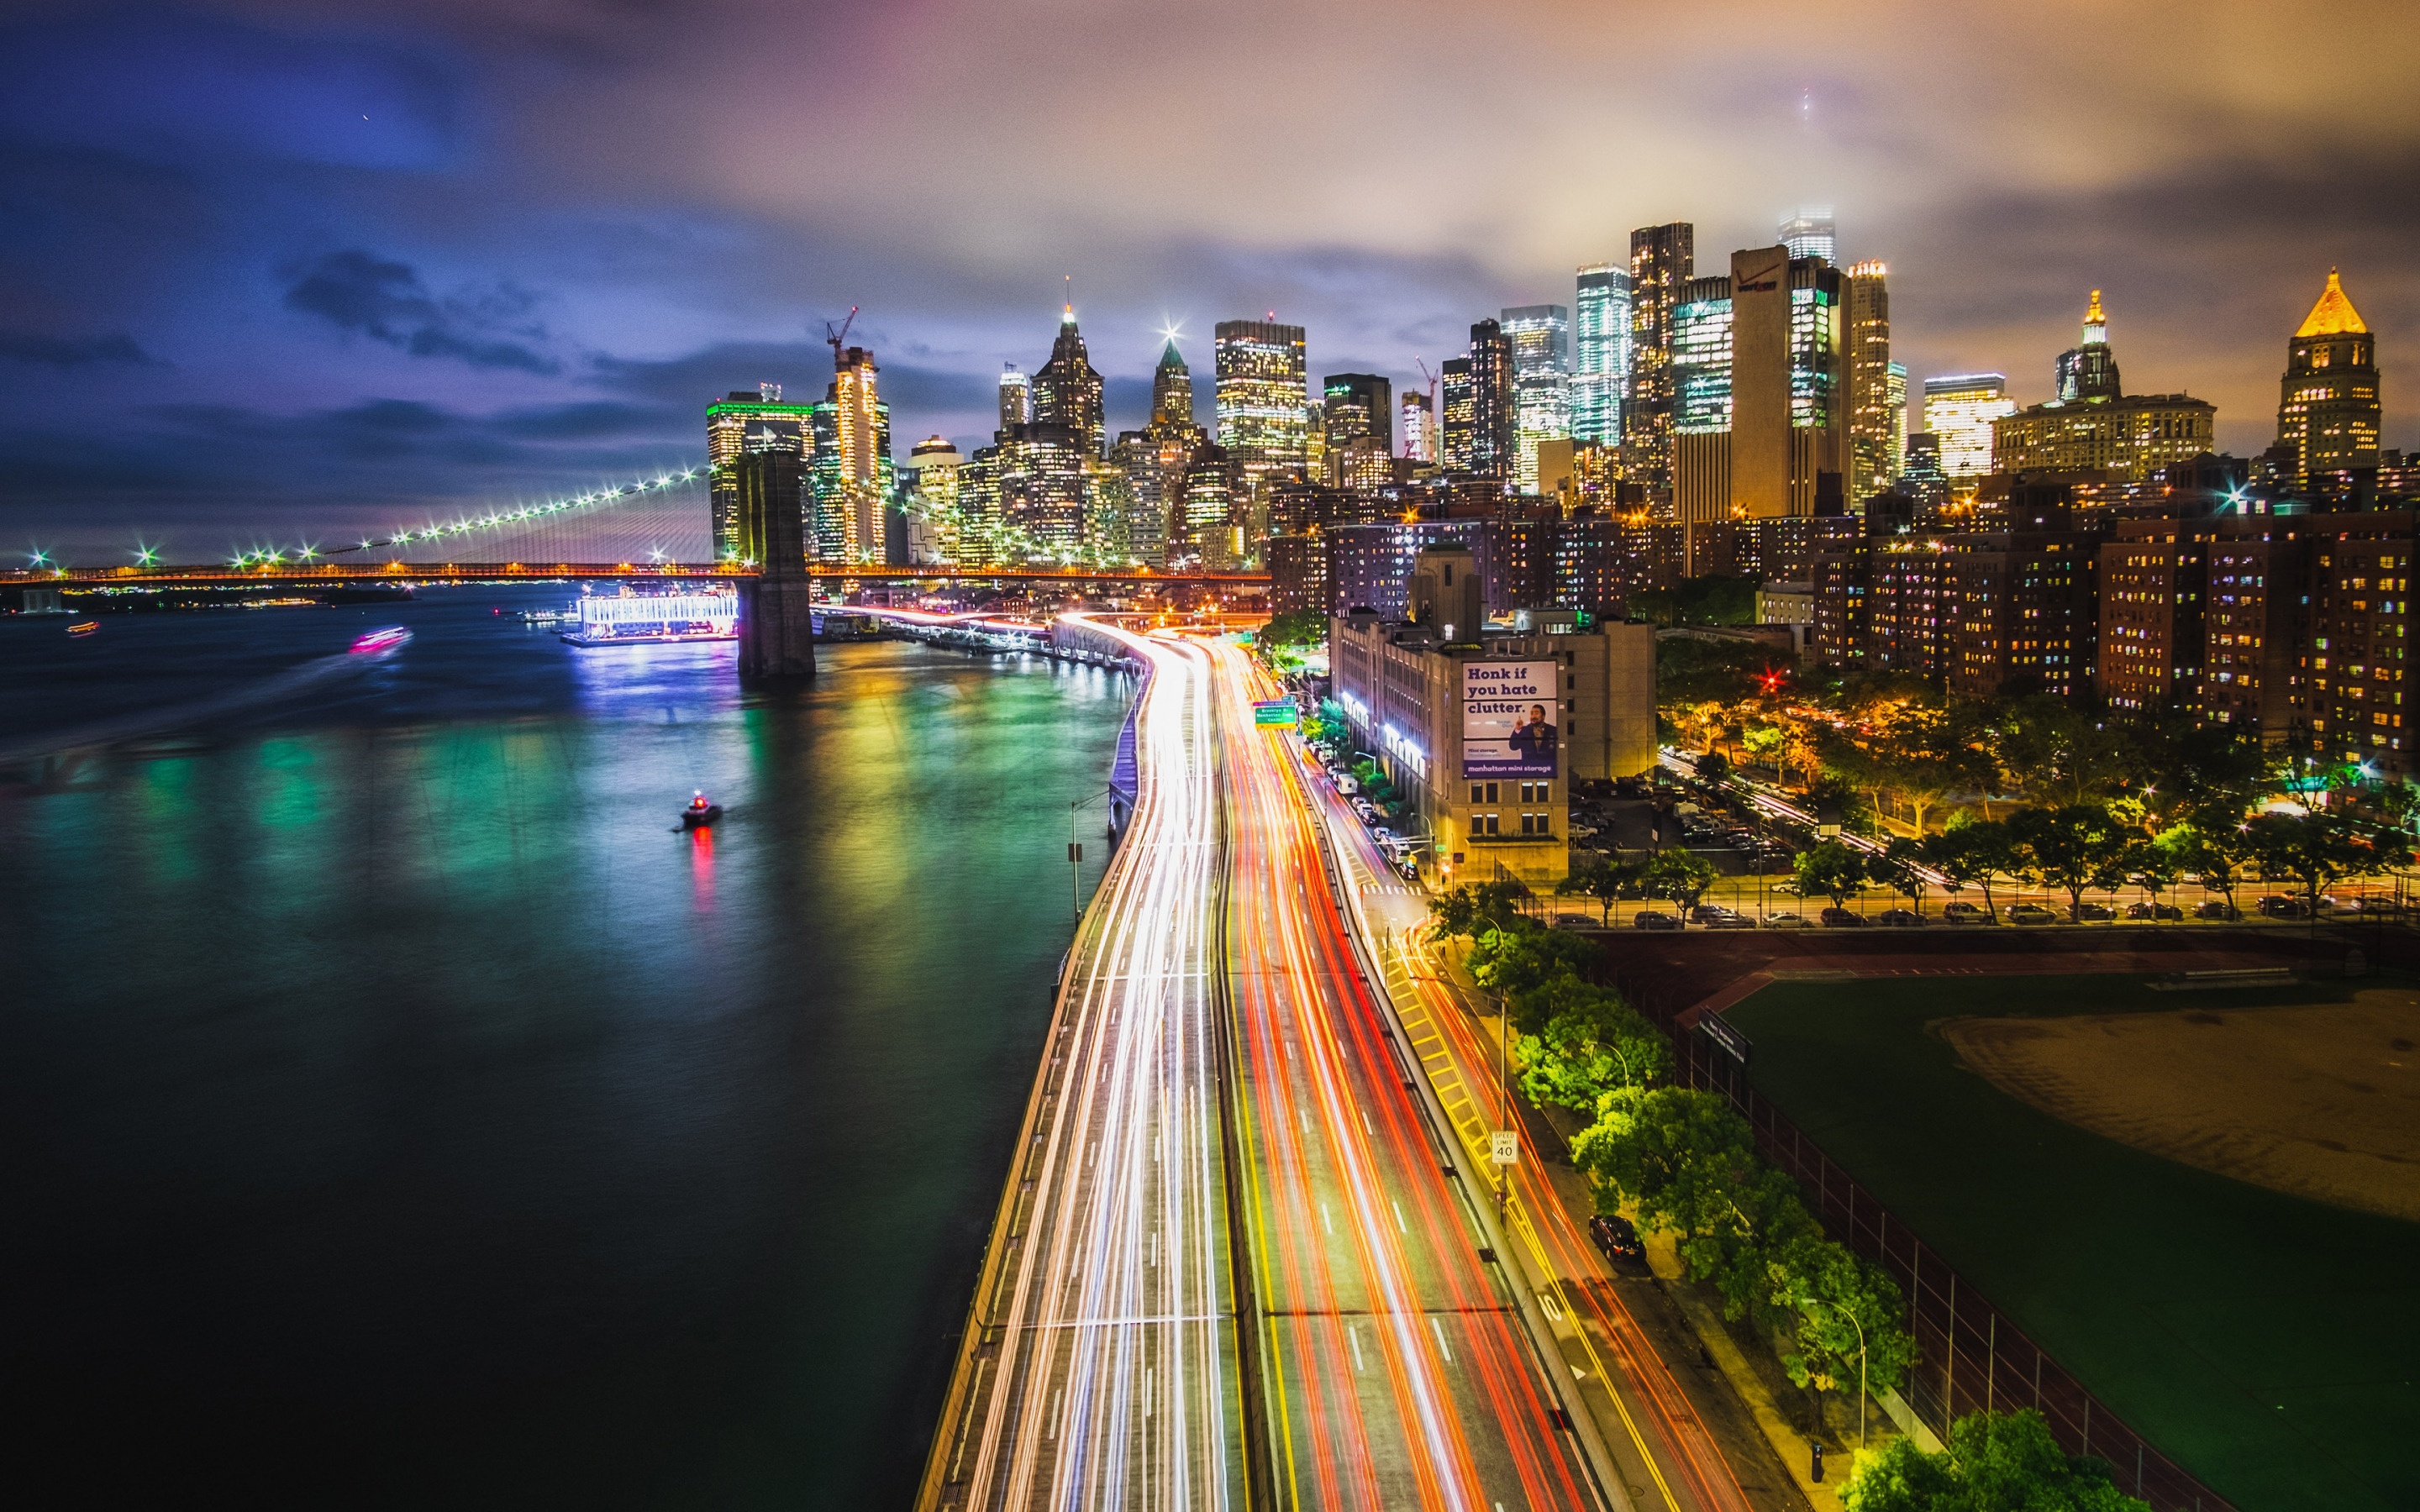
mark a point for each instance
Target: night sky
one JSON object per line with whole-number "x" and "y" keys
{"x": 277, "y": 270}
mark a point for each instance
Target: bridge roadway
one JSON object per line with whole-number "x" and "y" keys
{"x": 1218, "y": 1068}
{"x": 335, "y": 574}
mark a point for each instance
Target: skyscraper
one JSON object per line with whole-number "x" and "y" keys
{"x": 1491, "y": 424}
{"x": 1959, "y": 409}
{"x": 1455, "y": 396}
{"x": 1540, "y": 336}
{"x": 850, "y": 473}
{"x": 1263, "y": 403}
{"x": 1359, "y": 404}
{"x": 1067, "y": 392}
{"x": 1661, "y": 258}
{"x": 2089, "y": 370}
{"x": 1895, "y": 398}
{"x": 1420, "y": 426}
{"x": 1759, "y": 418}
{"x": 1810, "y": 234}
{"x": 1171, "y": 391}
{"x": 1601, "y": 343}
{"x": 1874, "y": 412}
{"x": 1016, "y": 400}
{"x": 2328, "y": 404}
{"x": 747, "y": 424}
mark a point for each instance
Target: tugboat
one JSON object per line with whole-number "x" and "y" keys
{"x": 700, "y": 812}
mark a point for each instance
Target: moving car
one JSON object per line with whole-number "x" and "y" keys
{"x": 1728, "y": 919}
{"x": 2280, "y": 906}
{"x": 2031, "y": 914}
{"x": 2216, "y": 908}
{"x": 2093, "y": 911}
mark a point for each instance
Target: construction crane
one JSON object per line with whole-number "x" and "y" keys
{"x": 834, "y": 338}
{"x": 1431, "y": 438}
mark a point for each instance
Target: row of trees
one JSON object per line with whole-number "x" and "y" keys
{"x": 2083, "y": 847}
{"x": 1682, "y": 1161}
{"x": 1990, "y": 1462}
{"x": 1679, "y": 875}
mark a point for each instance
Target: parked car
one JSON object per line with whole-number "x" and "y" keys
{"x": 1573, "y": 921}
{"x": 1706, "y": 911}
{"x": 1966, "y": 914}
{"x": 2031, "y": 914}
{"x": 1728, "y": 919}
{"x": 1842, "y": 918}
{"x": 2093, "y": 911}
{"x": 1786, "y": 921}
{"x": 2216, "y": 908}
{"x": 1650, "y": 919}
{"x": 1617, "y": 1241}
{"x": 2282, "y": 905}
{"x": 2155, "y": 911}
{"x": 1899, "y": 918}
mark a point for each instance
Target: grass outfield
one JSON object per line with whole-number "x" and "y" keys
{"x": 2268, "y": 1343}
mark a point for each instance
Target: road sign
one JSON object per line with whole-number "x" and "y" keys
{"x": 1504, "y": 1147}
{"x": 1277, "y": 714}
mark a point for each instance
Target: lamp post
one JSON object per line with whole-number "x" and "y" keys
{"x": 1076, "y": 855}
{"x": 1818, "y": 1301}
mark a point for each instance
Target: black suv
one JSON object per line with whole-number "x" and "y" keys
{"x": 1617, "y": 1241}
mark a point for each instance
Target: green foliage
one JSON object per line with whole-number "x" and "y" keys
{"x": 1591, "y": 1043}
{"x": 1679, "y": 874}
{"x": 1709, "y": 600}
{"x": 2063, "y": 756}
{"x": 1527, "y": 966}
{"x": 1829, "y": 869}
{"x": 1474, "y": 908}
{"x": 2322, "y": 847}
{"x": 1845, "y": 1310}
{"x": 1283, "y": 642}
{"x": 1971, "y": 851}
{"x": 1992, "y": 1463}
{"x": 1691, "y": 671}
{"x": 1899, "y": 868}
{"x": 2075, "y": 846}
{"x": 2177, "y": 770}
{"x": 1715, "y": 767}
{"x": 1601, "y": 881}
{"x": 2216, "y": 854}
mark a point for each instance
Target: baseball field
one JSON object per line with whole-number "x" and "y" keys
{"x": 2202, "y": 1203}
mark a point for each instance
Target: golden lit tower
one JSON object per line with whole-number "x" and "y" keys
{"x": 1067, "y": 392}
{"x": 850, "y": 473}
{"x": 1875, "y": 404}
{"x": 2328, "y": 410}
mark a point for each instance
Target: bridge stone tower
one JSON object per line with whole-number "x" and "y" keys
{"x": 776, "y": 619}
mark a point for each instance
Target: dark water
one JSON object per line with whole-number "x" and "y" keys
{"x": 399, "y": 1111}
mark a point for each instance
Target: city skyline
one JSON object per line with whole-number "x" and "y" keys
{"x": 530, "y": 254}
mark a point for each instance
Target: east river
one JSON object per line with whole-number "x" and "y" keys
{"x": 401, "y": 1111}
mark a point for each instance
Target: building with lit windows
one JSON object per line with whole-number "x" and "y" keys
{"x": 1601, "y": 353}
{"x": 1877, "y": 387}
{"x": 1959, "y": 409}
{"x": 1264, "y": 402}
{"x": 744, "y": 425}
{"x": 1810, "y": 234}
{"x": 1016, "y": 399}
{"x": 2328, "y": 407}
{"x": 1759, "y": 415}
{"x": 1171, "y": 393}
{"x": 1540, "y": 336}
{"x": 1420, "y": 426}
{"x": 934, "y": 518}
{"x": 849, "y": 473}
{"x": 1457, "y": 427}
{"x": 1355, "y": 405}
{"x": 2095, "y": 425}
{"x": 2089, "y": 369}
{"x": 1661, "y": 260}
{"x": 1493, "y": 427}
{"x": 1067, "y": 391}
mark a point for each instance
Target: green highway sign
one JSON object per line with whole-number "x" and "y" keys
{"x": 1275, "y": 714}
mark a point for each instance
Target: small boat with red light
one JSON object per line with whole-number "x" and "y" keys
{"x": 700, "y": 812}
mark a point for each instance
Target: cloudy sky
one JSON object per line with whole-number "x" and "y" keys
{"x": 271, "y": 270}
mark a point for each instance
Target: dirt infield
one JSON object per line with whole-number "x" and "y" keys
{"x": 2320, "y": 1101}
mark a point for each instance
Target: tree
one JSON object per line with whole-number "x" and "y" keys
{"x": 2322, "y": 848}
{"x": 1284, "y": 639}
{"x": 1592, "y": 1042}
{"x": 1474, "y": 908}
{"x": 2062, "y": 756}
{"x": 1682, "y": 875}
{"x": 2071, "y": 847}
{"x": 1831, "y": 869}
{"x": 1522, "y": 962}
{"x": 2215, "y": 854}
{"x": 1714, "y": 768}
{"x": 1846, "y": 1313}
{"x": 1972, "y": 852}
{"x": 1994, "y": 1462}
{"x": 1675, "y": 1155}
{"x": 1602, "y": 881}
{"x": 1902, "y": 866}
{"x": 2155, "y": 863}
{"x": 2177, "y": 770}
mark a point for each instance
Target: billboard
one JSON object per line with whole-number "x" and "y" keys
{"x": 1507, "y": 711}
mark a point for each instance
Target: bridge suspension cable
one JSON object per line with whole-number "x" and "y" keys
{"x": 526, "y": 516}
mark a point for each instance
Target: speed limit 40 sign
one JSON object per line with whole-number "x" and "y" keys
{"x": 1504, "y": 1147}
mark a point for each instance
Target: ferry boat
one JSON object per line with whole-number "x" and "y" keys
{"x": 644, "y": 619}
{"x": 83, "y": 627}
{"x": 568, "y": 614}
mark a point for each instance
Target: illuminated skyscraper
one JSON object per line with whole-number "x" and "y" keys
{"x": 850, "y": 473}
{"x": 1263, "y": 403}
{"x": 2328, "y": 406}
{"x": 1067, "y": 392}
{"x": 1455, "y": 396}
{"x": 1016, "y": 400}
{"x": 1759, "y": 418}
{"x": 1895, "y": 396}
{"x": 1492, "y": 423}
{"x": 934, "y": 518}
{"x": 740, "y": 426}
{"x": 1660, "y": 257}
{"x": 1600, "y": 342}
{"x": 1540, "y": 336}
{"x": 2089, "y": 370}
{"x": 1420, "y": 426}
{"x": 1875, "y": 413}
{"x": 1810, "y": 234}
{"x": 1958, "y": 411}
{"x": 1359, "y": 404}
{"x": 1171, "y": 391}
{"x": 1700, "y": 357}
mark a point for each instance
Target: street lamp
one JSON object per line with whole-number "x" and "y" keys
{"x": 1818, "y": 1301}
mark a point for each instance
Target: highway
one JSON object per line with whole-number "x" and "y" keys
{"x": 1100, "y": 1364}
{"x": 1398, "y": 1368}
